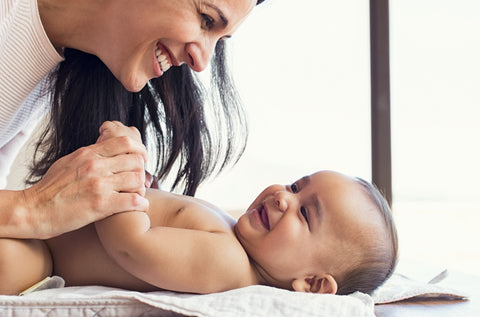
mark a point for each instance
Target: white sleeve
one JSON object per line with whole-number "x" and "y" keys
{"x": 26, "y": 57}
{"x": 9, "y": 151}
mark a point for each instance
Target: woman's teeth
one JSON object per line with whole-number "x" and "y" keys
{"x": 162, "y": 60}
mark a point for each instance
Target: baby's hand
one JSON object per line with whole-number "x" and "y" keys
{"x": 151, "y": 181}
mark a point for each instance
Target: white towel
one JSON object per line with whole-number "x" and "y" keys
{"x": 249, "y": 301}
{"x": 400, "y": 287}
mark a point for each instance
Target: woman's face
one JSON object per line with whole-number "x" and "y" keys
{"x": 144, "y": 38}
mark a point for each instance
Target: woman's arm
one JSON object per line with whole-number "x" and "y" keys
{"x": 87, "y": 185}
{"x": 14, "y": 216}
{"x": 183, "y": 260}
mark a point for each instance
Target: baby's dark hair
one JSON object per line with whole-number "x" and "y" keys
{"x": 377, "y": 263}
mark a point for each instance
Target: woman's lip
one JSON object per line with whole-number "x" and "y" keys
{"x": 156, "y": 67}
{"x": 171, "y": 59}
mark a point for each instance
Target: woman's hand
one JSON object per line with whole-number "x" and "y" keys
{"x": 110, "y": 129}
{"x": 89, "y": 184}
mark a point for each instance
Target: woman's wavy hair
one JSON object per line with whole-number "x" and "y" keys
{"x": 171, "y": 110}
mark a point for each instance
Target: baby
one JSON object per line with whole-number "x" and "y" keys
{"x": 325, "y": 233}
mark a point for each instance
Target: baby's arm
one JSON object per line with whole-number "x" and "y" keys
{"x": 176, "y": 259}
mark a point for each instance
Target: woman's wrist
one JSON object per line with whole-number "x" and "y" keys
{"x": 15, "y": 218}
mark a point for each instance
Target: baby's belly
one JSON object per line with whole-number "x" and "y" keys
{"x": 79, "y": 258}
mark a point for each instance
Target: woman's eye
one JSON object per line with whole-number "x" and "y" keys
{"x": 294, "y": 188}
{"x": 207, "y": 22}
{"x": 304, "y": 214}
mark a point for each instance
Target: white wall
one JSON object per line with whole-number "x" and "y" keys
{"x": 303, "y": 70}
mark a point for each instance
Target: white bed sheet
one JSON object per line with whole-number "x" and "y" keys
{"x": 249, "y": 301}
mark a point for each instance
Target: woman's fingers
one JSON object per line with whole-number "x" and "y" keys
{"x": 115, "y": 129}
{"x": 128, "y": 182}
{"x": 124, "y": 163}
{"x": 119, "y": 145}
{"x": 91, "y": 183}
{"x": 88, "y": 185}
{"x": 121, "y": 202}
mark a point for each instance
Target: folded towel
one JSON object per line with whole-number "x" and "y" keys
{"x": 249, "y": 301}
{"x": 399, "y": 288}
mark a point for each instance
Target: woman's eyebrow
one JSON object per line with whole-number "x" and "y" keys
{"x": 220, "y": 14}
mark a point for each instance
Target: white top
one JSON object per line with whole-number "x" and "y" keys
{"x": 26, "y": 57}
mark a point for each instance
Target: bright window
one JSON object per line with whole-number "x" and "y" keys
{"x": 304, "y": 75}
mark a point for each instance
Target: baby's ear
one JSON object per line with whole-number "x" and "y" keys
{"x": 325, "y": 284}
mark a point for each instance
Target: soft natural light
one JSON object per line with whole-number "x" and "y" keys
{"x": 304, "y": 74}
{"x": 303, "y": 70}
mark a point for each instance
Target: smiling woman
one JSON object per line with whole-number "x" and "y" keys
{"x": 132, "y": 62}
{"x": 182, "y": 34}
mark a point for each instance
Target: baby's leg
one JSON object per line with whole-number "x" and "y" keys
{"x": 22, "y": 264}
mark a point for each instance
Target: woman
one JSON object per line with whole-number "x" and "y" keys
{"x": 111, "y": 60}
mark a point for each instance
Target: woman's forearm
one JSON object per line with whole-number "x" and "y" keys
{"x": 15, "y": 220}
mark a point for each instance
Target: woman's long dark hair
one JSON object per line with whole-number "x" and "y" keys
{"x": 171, "y": 109}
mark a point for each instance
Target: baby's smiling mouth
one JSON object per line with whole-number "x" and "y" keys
{"x": 262, "y": 212}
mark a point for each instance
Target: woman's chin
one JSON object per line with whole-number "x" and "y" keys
{"x": 134, "y": 83}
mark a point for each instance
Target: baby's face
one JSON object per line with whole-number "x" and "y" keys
{"x": 293, "y": 231}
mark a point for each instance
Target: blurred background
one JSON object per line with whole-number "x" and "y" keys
{"x": 303, "y": 71}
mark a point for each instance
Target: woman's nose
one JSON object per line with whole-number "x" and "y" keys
{"x": 199, "y": 54}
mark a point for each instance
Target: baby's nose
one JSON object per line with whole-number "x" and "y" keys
{"x": 281, "y": 200}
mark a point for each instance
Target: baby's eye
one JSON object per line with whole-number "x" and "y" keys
{"x": 294, "y": 188}
{"x": 304, "y": 214}
{"x": 207, "y": 22}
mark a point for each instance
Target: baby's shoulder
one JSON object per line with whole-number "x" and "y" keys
{"x": 180, "y": 211}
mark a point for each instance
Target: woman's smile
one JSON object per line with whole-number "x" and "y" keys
{"x": 163, "y": 60}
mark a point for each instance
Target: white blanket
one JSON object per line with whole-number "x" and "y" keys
{"x": 249, "y": 301}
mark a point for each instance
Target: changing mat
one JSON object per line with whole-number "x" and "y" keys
{"x": 402, "y": 288}
{"x": 249, "y": 301}
{"x": 49, "y": 298}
